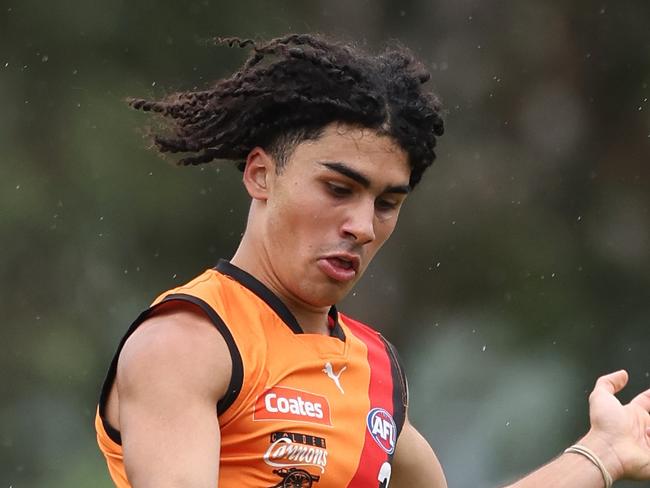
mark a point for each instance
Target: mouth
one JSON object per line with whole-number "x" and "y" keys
{"x": 340, "y": 267}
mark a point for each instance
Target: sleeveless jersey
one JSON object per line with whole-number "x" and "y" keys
{"x": 302, "y": 410}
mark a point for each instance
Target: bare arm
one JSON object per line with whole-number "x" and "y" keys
{"x": 171, "y": 374}
{"x": 619, "y": 436}
{"x": 415, "y": 463}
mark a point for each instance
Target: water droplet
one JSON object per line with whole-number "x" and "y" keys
{"x": 508, "y": 423}
{"x": 153, "y": 83}
{"x": 17, "y": 187}
{"x": 45, "y": 58}
{"x": 483, "y": 348}
{"x": 579, "y": 218}
{"x": 174, "y": 276}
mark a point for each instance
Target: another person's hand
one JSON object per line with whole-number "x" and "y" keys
{"x": 620, "y": 434}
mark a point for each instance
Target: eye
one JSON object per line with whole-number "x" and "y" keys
{"x": 384, "y": 205}
{"x": 337, "y": 190}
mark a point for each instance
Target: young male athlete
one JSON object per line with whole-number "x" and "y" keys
{"x": 248, "y": 376}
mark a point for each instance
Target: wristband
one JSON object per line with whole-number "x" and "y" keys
{"x": 589, "y": 454}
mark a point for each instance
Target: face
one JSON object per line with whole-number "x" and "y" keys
{"x": 327, "y": 212}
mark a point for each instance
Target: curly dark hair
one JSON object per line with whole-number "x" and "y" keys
{"x": 289, "y": 89}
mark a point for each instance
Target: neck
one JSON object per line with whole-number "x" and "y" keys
{"x": 255, "y": 261}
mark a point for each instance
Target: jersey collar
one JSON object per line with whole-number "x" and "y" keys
{"x": 253, "y": 284}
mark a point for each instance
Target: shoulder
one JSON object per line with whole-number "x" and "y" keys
{"x": 358, "y": 328}
{"x": 367, "y": 332}
{"x": 177, "y": 341}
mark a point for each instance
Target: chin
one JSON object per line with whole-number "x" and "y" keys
{"x": 325, "y": 295}
{"x": 336, "y": 292}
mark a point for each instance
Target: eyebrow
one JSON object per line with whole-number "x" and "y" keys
{"x": 363, "y": 180}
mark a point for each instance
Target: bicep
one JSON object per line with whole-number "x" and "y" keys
{"x": 170, "y": 377}
{"x": 415, "y": 463}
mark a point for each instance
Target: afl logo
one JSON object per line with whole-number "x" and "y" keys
{"x": 382, "y": 428}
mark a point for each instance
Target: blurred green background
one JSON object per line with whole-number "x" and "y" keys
{"x": 519, "y": 271}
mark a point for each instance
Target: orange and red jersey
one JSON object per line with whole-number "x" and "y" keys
{"x": 301, "y": 409}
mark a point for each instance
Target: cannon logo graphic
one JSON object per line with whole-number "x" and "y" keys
{"x": 282, "y": 403}
{"x": 382, "y": 428}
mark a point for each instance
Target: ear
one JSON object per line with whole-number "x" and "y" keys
{"x": 258, "y": 173}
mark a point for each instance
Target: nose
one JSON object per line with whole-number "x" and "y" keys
{"x": 360, "y": 223}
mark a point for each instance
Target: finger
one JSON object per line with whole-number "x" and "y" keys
{"x": 643, "y": 400}
{"x": 613, "y": 382}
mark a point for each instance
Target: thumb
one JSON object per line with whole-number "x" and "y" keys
{"x": 612, "y": 383}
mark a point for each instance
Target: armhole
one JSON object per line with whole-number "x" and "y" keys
{"x": 236, "y": 378}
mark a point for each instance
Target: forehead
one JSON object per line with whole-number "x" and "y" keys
{"x": 360, "y": 148}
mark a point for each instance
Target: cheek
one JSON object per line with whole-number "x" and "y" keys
{"x": 299, "y": 222}
{"x": 383, "y": 230}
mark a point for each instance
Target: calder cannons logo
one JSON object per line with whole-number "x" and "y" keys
{"x": 282, "y": 403}
{"x": 382, "y": 428}
{"x": 292, "y": 449}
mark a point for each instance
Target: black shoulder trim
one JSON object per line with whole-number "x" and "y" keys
{"x": 236, "y": 378}
{"x": 111, "y": 431}
{"x": 400, "y": 386}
